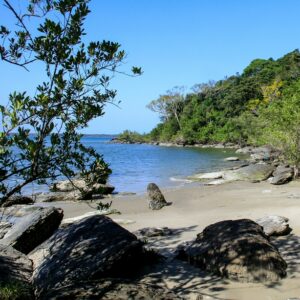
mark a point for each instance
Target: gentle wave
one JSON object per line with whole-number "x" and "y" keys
{"x": 183, "y": 180}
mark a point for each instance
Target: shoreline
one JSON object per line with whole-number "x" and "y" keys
{"x": 195, "y": 207}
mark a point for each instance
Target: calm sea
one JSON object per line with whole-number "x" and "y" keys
{"x": 134, "y": 166}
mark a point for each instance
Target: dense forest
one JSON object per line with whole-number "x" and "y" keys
{"x": 259, "y": 106}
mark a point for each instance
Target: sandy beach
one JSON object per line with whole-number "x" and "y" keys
{"x": 193, "y": 208}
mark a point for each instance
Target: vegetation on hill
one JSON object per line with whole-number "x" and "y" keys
{"x": 131, "y": 137}
{"x": 259, "y": 106}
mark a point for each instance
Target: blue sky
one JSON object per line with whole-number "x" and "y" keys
{"x": 176, "y": 42}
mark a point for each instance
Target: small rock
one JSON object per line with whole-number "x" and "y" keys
{"x": 233, "y": 158}
{"x": 154, "y": 232}
{"x": 274, "y": 225}
{"x": 155, "y": 197}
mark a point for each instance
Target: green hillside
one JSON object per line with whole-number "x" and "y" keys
{"x": 229, "y": 110}
{"x": 259, "y": 106}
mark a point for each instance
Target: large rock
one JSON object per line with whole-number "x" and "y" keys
{"x": 111, "y": 289}
{"x": 68, "y": 186}
{"x": 58, "y": 196}
{"x": 274, "y": 225}
{"x": 16, "y": 271}
{"x": 31, "y": 226}
{"x": 282, "y": 175}
{"x": 156, "y": 199}
{"x": 81, "y": 189}
{"x": 264, "y": 153}
{"x": 253, "y": 172}
{"x": 261, "y": 153}
{"x": 238, "y": 250}
{"x": 93, "y": 248}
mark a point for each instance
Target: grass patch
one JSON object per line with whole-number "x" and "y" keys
{"x": 15, "y": 291}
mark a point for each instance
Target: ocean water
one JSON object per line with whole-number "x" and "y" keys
{"x": 134, "y": 166}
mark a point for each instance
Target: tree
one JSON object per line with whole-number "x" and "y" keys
{"x": 169, "y": 105}
{"x": 280, "y": 125}
{"x": 203, "y": 87}
{"x": 39, "y": 139}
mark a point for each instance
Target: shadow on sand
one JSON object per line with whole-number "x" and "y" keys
{"x": 191, "y": 282}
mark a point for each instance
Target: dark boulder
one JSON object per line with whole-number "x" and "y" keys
{"x": 110, "y": 289}
{"x": 95, "y": 247}
{"x": 16, "y": 271}
{"x": 156, "y": 199}
{"x": 32, "y": 226}
{"x": 238, "y": 250}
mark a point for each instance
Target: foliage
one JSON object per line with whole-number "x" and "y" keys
{"x": 279, "y": 124}
{"x": 39, "y": 139}
{"x": 131, "y": 137}
{"x": 104, "y": 206}
{"x": 15, "y": 291}
{"x": 238, "y": 108}
{"x": 169, "y": 105}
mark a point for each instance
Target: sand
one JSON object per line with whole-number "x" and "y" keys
{"x": 193, "y": 208}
